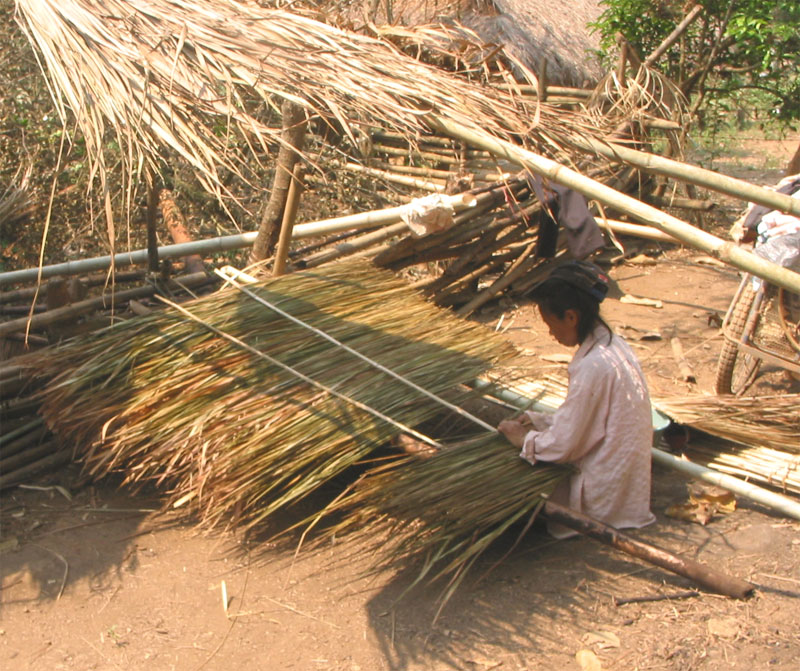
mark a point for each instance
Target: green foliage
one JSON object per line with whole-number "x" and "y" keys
{"x": 734, "y": 46}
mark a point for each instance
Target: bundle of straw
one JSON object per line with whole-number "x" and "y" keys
{"x": 446, "y": 510}
{"x": 214, "y": 411}
{"x": 763, "y": 421}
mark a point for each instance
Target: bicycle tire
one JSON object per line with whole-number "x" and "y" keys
{"x": 737, "y": 370}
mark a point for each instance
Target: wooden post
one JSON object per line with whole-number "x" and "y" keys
{"x": 293, "y": 136}
{"x": 152, "y": 212}
{"x": 688, "y": 568}
{"x": 287, "y": 224}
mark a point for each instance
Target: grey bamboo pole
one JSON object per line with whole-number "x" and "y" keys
{"x": 725, "y": 251}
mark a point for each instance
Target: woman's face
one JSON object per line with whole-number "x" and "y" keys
{"x": 564, "y": 329}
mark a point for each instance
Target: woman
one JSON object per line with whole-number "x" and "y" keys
{"x": 604, "y": 427}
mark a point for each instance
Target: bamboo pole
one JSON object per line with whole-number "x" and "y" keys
{"x": 688, "y": 568}
{"x": 659, "y": 165}
{"x": 29, "y": 470}
{"x": 91, "y": 304}
{"x": 694, "y": 237}
{"x": 287, "y": 223}
{"x": 405, "y": 180}
{"x": 390, "y": 215}
{"x": 637, "y": 230}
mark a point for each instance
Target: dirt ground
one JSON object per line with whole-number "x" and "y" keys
{"x": 94, "y": 577}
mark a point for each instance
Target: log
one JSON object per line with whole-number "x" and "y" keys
{"x": 688, "y": 568}
{"x": 176, "y": 225}
{"x": 721, "y": 249}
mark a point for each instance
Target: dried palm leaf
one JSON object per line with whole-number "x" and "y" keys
{"x": 186, "y": 75}
{"x": 164, "y": 399}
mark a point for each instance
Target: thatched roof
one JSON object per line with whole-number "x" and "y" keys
{"x": 168, "y": 73}
{"x": 555, "y": 31}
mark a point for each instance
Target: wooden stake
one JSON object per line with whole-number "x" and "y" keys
{"x": 287, "y": 224}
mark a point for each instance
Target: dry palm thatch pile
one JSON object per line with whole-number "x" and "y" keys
{"x": 166, "y": 73}
{"x": 444, "y": 511}
{"x": 240, "y": 410}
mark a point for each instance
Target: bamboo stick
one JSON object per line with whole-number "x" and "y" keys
{"x": 287, "y": 223}
{"x": 26, "y": 456}
{"x": 683, "y": 203}
{"x": 349, "y": 247}
{"x": 30, "y": 470}
{"x": 725, "y": 251}
{"x": 100, "y": 302}
{"x": 21, "y": 443}
{"x": 688, "y": 568}
{"x": 521, "y": 265}
{"x": 427, "y": 185}
{"x": 28, "y": 293}
{"x": 637, "y": 230}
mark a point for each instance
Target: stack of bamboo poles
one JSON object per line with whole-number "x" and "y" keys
{"x": 232, "y": 407}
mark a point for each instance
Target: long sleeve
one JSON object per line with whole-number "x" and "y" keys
{"x": 577, "y": 427}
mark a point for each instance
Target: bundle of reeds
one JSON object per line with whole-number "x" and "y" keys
{"x": 764, "y": 421}
{"x": 444, "y": 511}
{"x": 219, "y": 409}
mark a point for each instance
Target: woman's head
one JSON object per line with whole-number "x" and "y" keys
{"x": 569, "y": 300}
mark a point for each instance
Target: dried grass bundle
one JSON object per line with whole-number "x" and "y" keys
{"x": 444, "y": 511}
{"x": 764, "y": 421}
{"x": 163, "y": 399}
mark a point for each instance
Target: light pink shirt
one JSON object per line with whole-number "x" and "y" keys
{"x": 604, "y": 428}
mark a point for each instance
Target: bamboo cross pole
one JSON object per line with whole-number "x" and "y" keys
{"x": 725, "y": 251}
{"x": 693, "y": 174}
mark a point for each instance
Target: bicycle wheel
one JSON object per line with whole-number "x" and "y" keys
{"x": 737, "y": 370}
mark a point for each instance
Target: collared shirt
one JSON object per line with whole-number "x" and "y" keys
{"x": 604, "y": 428}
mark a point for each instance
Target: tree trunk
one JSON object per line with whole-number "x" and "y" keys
{"x": 294, "y": 128}
{"x": 794, "y": 165}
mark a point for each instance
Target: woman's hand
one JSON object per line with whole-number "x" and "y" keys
{"x": 514, "y": 431}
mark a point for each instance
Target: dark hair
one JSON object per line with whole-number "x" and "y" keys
{"x": 555, "y": 296}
